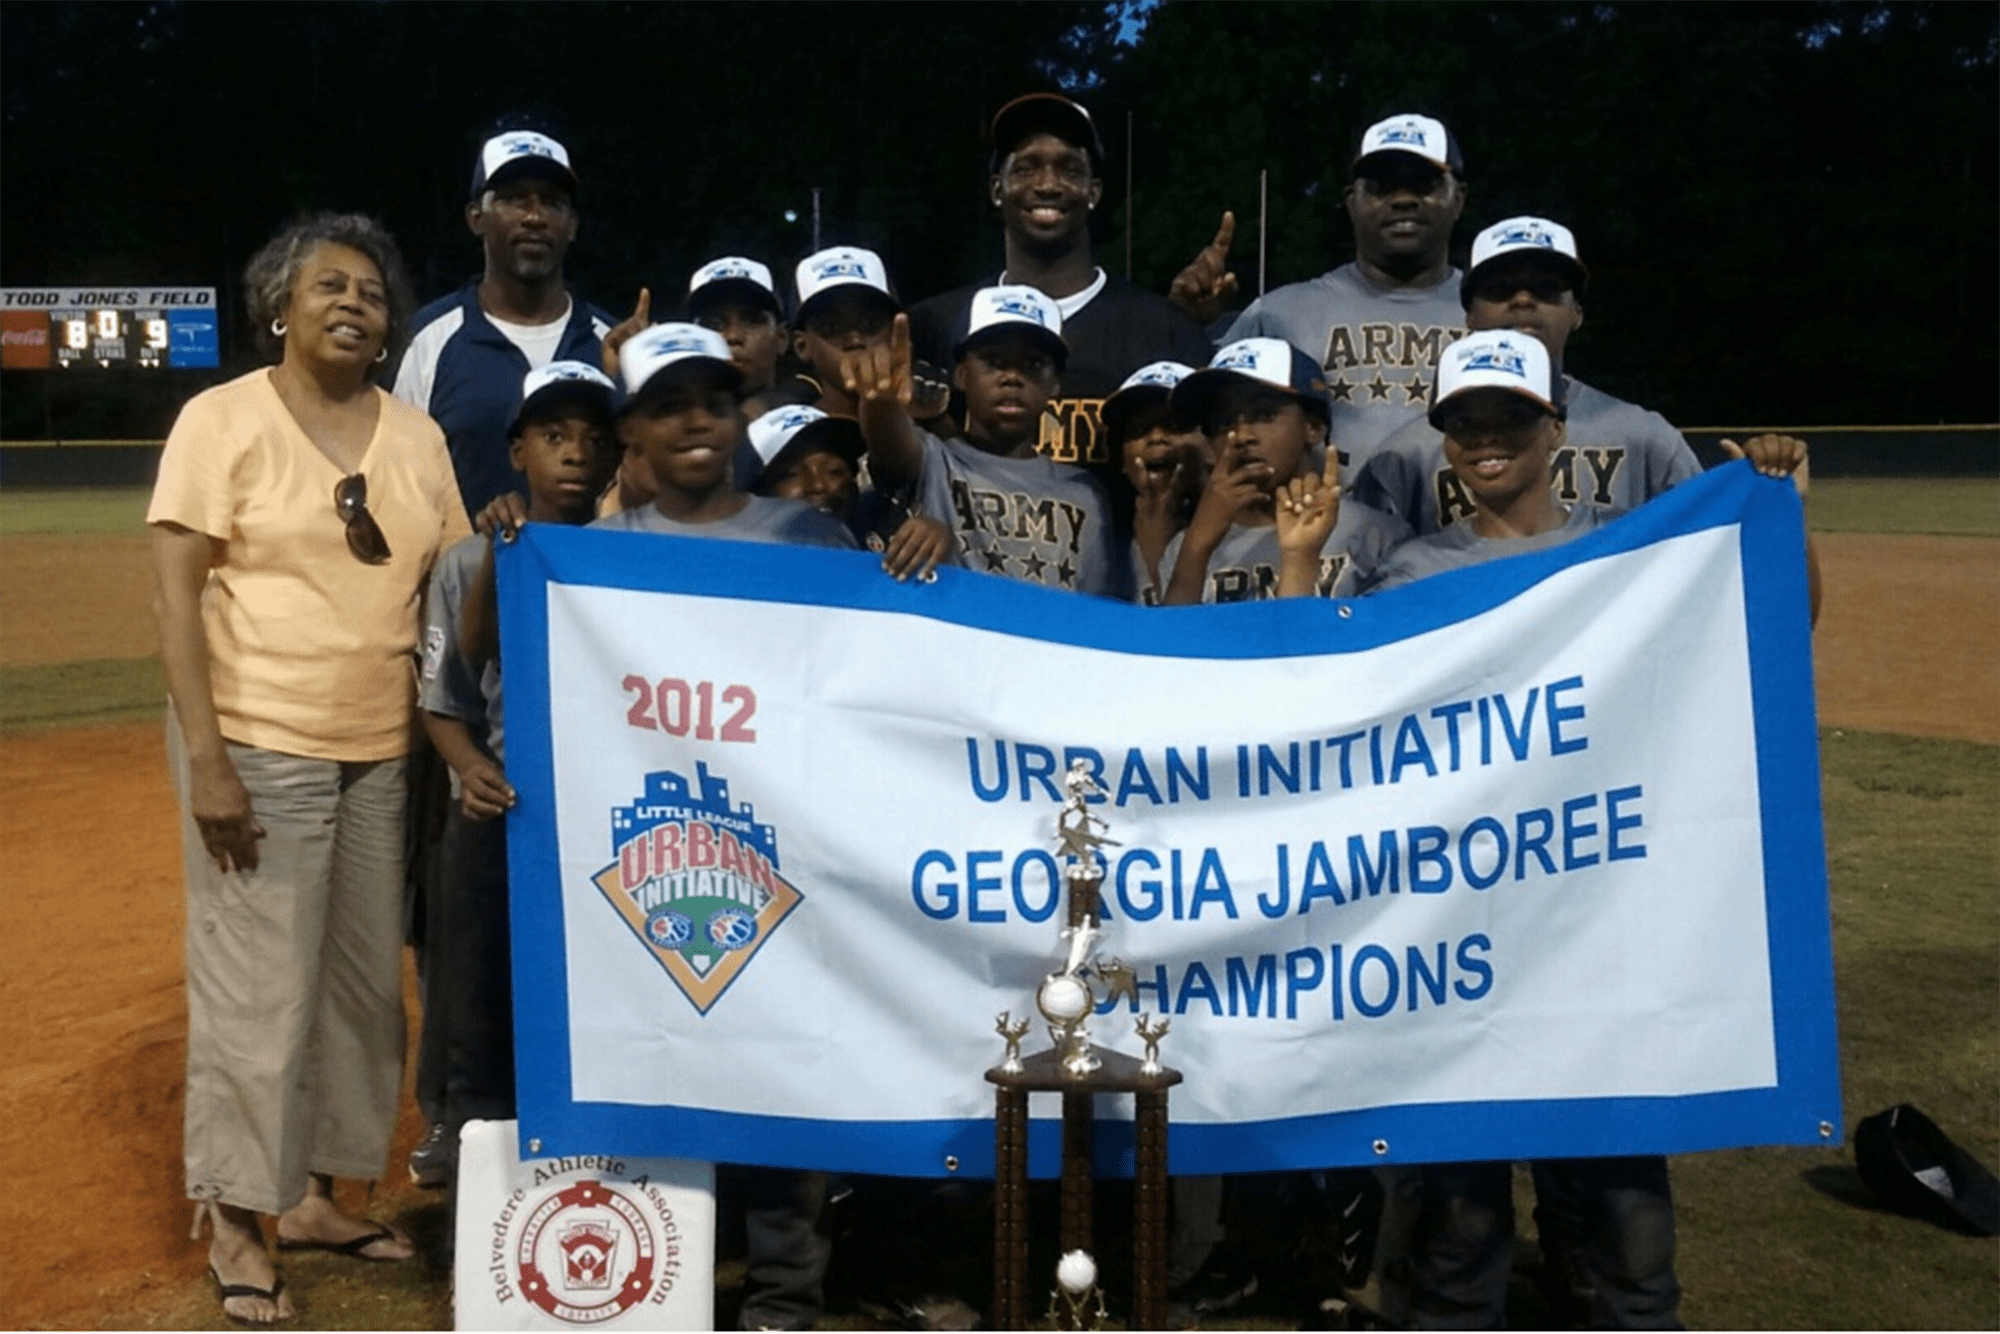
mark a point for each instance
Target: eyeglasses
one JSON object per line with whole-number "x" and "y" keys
{"x": 364, "y": 535}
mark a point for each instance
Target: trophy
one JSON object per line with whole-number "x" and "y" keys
{"x": 1078, "y": 1069}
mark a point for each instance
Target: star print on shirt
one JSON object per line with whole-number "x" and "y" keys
{"x": 1378, "y": 388}
{"x": 1339, "y": 390}
{"x": 1033, "y": 567}
{"x": 1416, "y": 391}
{"x": 996, "y": 561}
{"x": 1067, "y": 574}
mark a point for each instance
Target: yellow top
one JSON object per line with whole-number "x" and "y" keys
{"x": 309, "y": 648}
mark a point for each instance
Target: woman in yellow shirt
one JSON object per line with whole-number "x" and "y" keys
{"x": 298, "y": 512}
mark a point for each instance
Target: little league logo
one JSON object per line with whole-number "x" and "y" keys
{"x": 587, "y": 1254}
{"x": 1403, "y": 132}
{"x": 1239, "y": 357}
{"x": 1020, "y": 307}
{"x": 1500, "y": 357}
{"x": 1527, "y": 234}
{"x": 843, "y": 268}
{"x": 696, "y": 880}
{"x": 793, "y": 419}
{"x": 527, "y": 145}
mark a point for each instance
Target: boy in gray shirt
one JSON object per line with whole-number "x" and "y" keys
{"x": 1015, "y": 512}
{"x": 1526, "y": 276}
{"x": 1261, "y": 400}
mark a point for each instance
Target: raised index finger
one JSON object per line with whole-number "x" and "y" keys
{"x": 1224, "y": 234}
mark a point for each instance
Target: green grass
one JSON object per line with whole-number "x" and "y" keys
{"x": 1945, "y": 506}
{"x": 67, "y": 694}
{"x": 77, "y": 511}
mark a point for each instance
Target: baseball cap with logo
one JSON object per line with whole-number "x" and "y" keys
{"x": 840, "y": 268}
{"x": 1536, "y": 240}
{"x": 1415, "y": 136}
{"x": 1503, "y": 359}
{"x": 667, "y": 353}
{"x": 782, "y": 435}
{"x": 1143, "y": 388}
{"x": 1270, "y": 361}
{"x": 733, "y": 278}
{"x": 563, "y": 382}
{"x": 516, "y": 153}
{"x": 1045, "y": 113}
{"x": 996, "y": 310}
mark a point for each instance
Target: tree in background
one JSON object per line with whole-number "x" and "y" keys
{"x": 1789, "y": 209}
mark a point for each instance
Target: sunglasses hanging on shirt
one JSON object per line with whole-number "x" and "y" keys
{"x": 364, "y": 535}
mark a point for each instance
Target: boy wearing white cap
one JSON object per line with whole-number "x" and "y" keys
{"x": 1500, "y": 406}
{"x": 1260, "y": 399}
{"x": 737, "y": 298}
{"x": 804, "y": 454}
{"x": 561, "y": 442}
{"x": 1016, "y": 513}
{"x": 1377, "y": 323}
{"x": 681, "y": 416}
{"x": 1161, "y": 460}
{"x": 1526, "y": 276}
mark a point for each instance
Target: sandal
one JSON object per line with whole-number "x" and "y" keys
{"x": 355, "y": 1248}
{"x": 234, "y": 1290}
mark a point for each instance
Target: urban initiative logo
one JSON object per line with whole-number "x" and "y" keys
{"x": 696, "y": 880}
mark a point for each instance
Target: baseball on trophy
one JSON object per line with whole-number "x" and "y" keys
{"x": 1063, "y": 999}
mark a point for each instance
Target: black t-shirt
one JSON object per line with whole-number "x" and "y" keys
{"x": 1123, "y": 328}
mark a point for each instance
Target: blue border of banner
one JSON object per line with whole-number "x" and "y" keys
{"x": 1803, "y": 1107}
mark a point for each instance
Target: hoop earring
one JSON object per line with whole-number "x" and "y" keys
{"x": 277, "y": 327}
{"x": 382, "y": 354}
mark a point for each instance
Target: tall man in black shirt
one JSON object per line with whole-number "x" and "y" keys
{"x": 1047, "y": 177}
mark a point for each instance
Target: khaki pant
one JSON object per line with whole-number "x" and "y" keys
{"x": 294, "y": 981}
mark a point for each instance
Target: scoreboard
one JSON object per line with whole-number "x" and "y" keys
{"x": 91, "y": 328}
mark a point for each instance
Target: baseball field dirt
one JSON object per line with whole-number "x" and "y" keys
{"x": 94, "y": 1227}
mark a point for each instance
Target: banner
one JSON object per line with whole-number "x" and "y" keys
{"x": 1519, "y": 861}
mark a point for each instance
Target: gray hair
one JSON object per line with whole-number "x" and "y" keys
{"x": 273, "y": 271}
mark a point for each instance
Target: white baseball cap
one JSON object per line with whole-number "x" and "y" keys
{"x": 1015, "y": 308}
{"x": 511, "y": 153}
{"x": 1149, "y": 384}
{"x": 561, "y": 380}
{"x": 654, "y": 350}
{"x": 1163, "y": 374}
{"x": 1271, "y": 361}
{"x": 838, "y": 267}
{"x": 1550, "y": 242}
{"x": 1498, "y": 359}
{"x": 784, "y": 432}
{"x": 733, "y": 275}
{"x": 1417, "y": 136}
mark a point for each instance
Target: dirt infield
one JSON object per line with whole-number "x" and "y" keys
{"x": 1909, "y": 635}
{"x": 94, "y": 1225}
{"x": 66, "y": 598}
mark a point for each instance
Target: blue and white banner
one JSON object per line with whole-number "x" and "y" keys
{"x": 1519, "y": 861}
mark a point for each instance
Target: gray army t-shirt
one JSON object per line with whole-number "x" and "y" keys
{"x": 1615, "y": 455}
{"x": 1460, "y": 545}
{"x": 1247, "y": 561}
{"x": 763, "y": 519}
{"x": 1378, "y": 346}
{"x": 1029, "y": 518}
